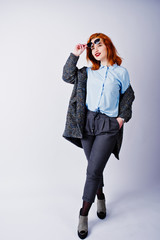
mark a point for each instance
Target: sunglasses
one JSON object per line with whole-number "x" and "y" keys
{"x": 90, "y": 44}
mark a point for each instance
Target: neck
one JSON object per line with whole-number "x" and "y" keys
{"x": 105, "y": 62}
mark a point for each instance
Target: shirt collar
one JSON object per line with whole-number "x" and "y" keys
{"x": 110, "y": 67}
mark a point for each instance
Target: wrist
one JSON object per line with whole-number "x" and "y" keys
{"x": 75, "y": 54}
{"x": 123, "y": 120}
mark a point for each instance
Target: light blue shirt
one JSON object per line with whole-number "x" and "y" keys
{"x": 104, "y": 87}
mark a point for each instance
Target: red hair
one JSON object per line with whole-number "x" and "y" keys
{"x": 112, "y": 54}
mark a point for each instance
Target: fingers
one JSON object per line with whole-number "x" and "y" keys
{"x": 79, "y": 48}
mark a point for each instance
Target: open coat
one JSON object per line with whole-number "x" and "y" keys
{"x": 75, "y": 120}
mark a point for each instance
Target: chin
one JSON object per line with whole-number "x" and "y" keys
{"x": 98, "y": 58}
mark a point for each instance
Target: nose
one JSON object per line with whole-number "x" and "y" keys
{"x": 96, "y": 47}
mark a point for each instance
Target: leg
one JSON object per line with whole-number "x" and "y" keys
{"x": 87, "y": 143}
{"x": 100, "y": 194}
{"x": 100, "y": 153}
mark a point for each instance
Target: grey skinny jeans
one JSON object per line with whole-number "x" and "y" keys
{"x": 98, "y": 142}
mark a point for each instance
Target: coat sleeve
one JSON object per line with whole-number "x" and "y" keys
{"x": 125, "y": 104}
{"x": 70, "y": 70}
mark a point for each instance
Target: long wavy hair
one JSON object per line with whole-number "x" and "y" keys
{"x": 112, "y": 54}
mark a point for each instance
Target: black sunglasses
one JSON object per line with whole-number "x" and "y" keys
{"x": 90, "y": 44}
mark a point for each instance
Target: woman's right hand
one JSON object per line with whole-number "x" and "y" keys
{"x": 79, "y": 49}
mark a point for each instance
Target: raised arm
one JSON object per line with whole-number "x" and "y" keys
{"x": 70, "y": 69}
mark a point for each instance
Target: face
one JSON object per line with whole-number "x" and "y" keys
{"x": 99, "y": 50}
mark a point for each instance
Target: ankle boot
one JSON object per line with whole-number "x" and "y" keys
{"x": 83, "y": 226}
{"x": 101, "y": 208}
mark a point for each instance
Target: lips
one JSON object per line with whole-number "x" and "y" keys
{"x": 97, "y": 54}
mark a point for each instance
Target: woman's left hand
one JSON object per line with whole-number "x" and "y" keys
{"x": 120, "y": 121}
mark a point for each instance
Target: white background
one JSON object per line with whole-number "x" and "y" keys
{"x": 41, "y": 174}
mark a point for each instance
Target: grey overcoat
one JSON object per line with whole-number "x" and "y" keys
{"x": 75, "y": 120}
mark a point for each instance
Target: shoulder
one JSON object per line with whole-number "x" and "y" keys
{"x": 83, "y": 69}
{"x": 82, "y": 73}
{"x": 88, "y": 69}
{"x": 121, "y": 70}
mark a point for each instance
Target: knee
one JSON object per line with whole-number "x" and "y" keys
{"x": 94, "y": 173}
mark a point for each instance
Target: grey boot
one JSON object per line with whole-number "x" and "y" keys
{"x": 83, "y": 226}
{"x": 101, "y": 208}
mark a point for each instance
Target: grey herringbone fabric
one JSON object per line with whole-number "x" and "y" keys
{"x": 75, "y": 120}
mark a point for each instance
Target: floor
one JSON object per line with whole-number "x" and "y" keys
{"x": 133, "y": 214}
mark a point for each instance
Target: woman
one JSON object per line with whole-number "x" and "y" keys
{"x": 100, "y": 103}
